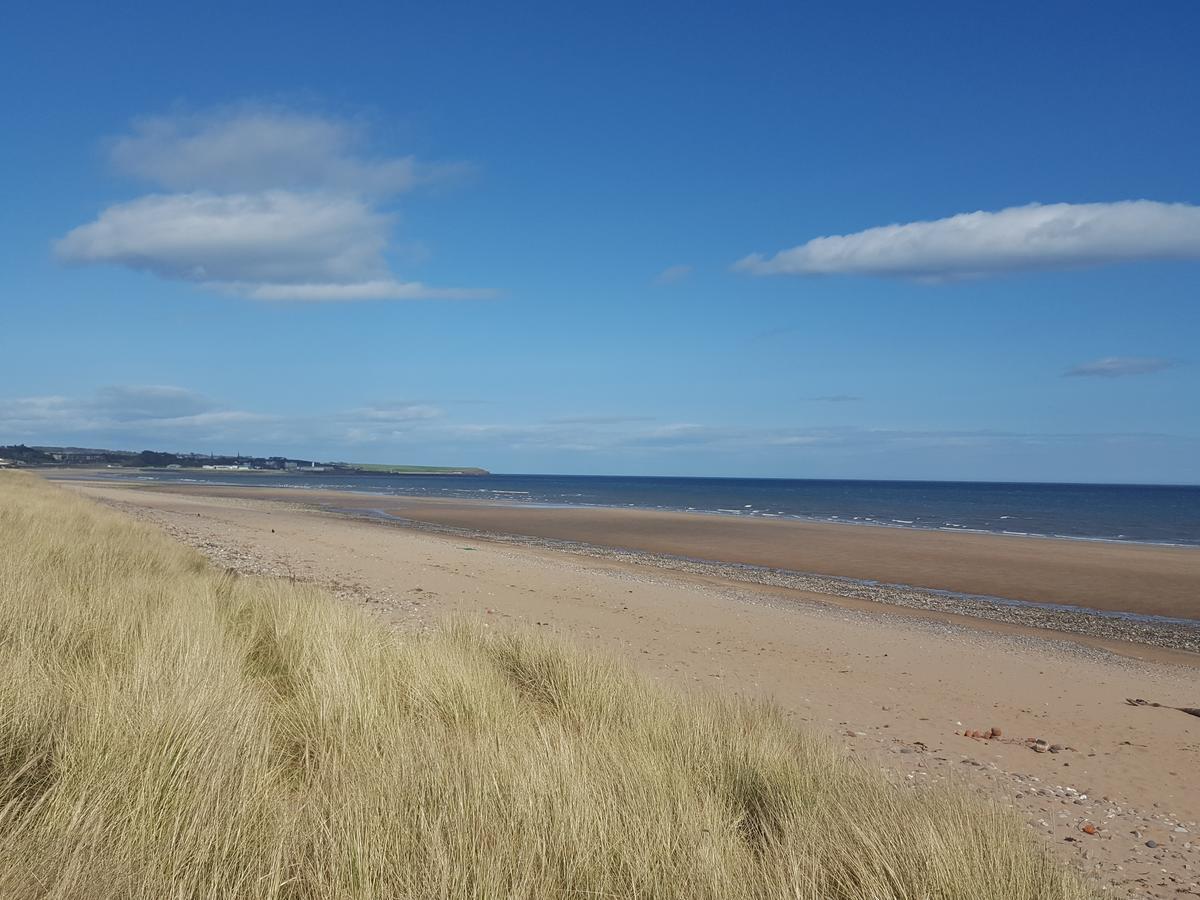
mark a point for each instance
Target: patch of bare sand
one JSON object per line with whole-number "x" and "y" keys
{"x": 898, "y": 688}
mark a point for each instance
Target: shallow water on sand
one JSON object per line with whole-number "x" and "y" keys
{"x": 1141, "y": 513}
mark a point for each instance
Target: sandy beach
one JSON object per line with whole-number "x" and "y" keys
{"x": 1117, "y": 577}
{"x": 898, "y": 686}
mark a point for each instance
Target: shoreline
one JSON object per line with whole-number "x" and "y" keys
{"x": 501, "y": 501}
{"x": 946, "y": 584}
{"x": 1139, "y": 580}
{"x": 1162, "y": 632}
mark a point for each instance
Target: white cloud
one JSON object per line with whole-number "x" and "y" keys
{"x": 672, "y": 274}
{"x": 169, "y": 417}
{"x": 134, "y": 410}
{"x": 599, "y": 420}
{"x": 690, "y": 440}
{"x": 24, "y": 415}
{"x": 383, "y": 423}
{"x": 1059, "y": 235}
{"x": 269, "y": 237}
{"x": 382, "y": 289}
{"x": 154, "y": 401}
{"x": 396, "y": 412}
{"x": 1117, "y": 366}
{"x": 251, "y": 148}
{"x": 270, "y": 206}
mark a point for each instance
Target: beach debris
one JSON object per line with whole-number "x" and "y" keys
{"x": 1041, "y": 745}
{"x": 1190, "y": 710}
{"x": 987, "y": 734}
{"x": 1152, "y": 844}
{"x": 1088, "y": 828}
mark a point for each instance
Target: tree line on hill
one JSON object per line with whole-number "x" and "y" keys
{"x": 22, "y": 455}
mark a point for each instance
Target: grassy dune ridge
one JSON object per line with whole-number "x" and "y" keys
{"x": 169, "y": 730}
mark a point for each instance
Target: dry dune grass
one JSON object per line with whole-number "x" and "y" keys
{"x": 167, "y": 730}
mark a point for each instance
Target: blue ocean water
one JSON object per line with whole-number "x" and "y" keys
{"x": 1141, "y": 513}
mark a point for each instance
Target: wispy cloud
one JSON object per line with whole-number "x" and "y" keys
{"x": 380, "y": 289}
{"x": 149, "y": 401}
{"x": 599, "y": 420}
{"x": 746, "y": 442}
{"x": 1052, "y": 236}
{"x": 248, "y": 148}
{"x": 393, "y": 413}
{"x": 161, "y": 411}
{"x": 174, "y": 418}
{"x": 1119, "y": 366}
{"x": 261, "y": 203}
{"x": 672, "y": 274}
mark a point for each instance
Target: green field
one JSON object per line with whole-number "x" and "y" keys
{"x": 420, "y": 470}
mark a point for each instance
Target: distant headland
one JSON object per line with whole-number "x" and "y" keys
{"x": 21, "y": 456}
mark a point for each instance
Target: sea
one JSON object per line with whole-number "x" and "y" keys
{"x": 1158, "y": 514}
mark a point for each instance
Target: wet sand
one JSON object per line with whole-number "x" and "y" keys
{"x": 1114, "y": 577}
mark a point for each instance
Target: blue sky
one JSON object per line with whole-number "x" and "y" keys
{"x": 727, "y": 239}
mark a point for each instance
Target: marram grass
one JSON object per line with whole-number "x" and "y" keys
{"x": 171, "y": 731}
